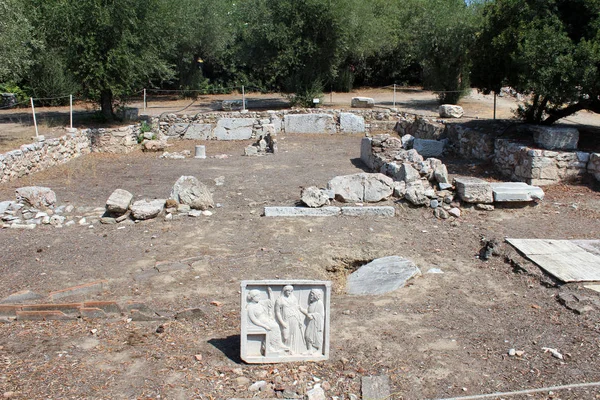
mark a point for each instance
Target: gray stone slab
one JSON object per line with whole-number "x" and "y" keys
{"x": 309, "y": 123}
{"x": 284, "y": 320}
{"x": 385, "y": 211}
{"x": 474, "y": 190}
{"x": 366, "y": 152}
{"x": 301, "y": 212}
{"x": 562, "y": 258}
{"x": 375, "y": 387}
{"x": 555, "y": 137}
{"x": 515, "y": 192}
{"x": 198, "y": 131}
{"x": 381, "y": 276}
{"x": 429, "y": 148}
{"x": 234, "y": 129}
{"x": 351, "y": 123}
{"x": 21, "y": 297}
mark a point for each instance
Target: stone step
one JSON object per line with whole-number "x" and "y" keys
{"x": 515, "y": 192}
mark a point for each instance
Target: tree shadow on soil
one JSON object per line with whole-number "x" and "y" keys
{"x": 230, "y": 346}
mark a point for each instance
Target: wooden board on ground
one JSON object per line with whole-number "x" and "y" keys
{"x": 563, "y": 259}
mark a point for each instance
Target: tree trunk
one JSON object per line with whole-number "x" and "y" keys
{"x": 106, "y": 104}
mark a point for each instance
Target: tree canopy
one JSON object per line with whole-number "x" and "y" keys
{"x": 548, "y": 49}
{"x": 106, "y": 50}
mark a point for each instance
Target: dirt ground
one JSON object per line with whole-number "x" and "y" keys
{"x": 443, "y": 335}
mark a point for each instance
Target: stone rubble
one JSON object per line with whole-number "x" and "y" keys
{"x": 267, "y": 143}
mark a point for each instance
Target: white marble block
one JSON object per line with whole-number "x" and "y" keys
{"x": 285, "y": 320}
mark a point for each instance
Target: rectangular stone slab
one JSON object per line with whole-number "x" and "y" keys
{"x": 301, "y": 211}
{"x": 561, "y": 258}
{"x": 515, "y": 192}
{"x": 277, "y": 328}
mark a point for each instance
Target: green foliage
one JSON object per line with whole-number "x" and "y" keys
{"x": 50, "y": 78}
{"x": 305, "y": 96}
{"x": 17, "y": 41}
{"x": 548, "y": 50}
{"x": 22, "y": 96}
{"x": 446, "y": 33}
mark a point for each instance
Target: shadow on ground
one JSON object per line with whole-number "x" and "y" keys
{"x": 229, "y": 346}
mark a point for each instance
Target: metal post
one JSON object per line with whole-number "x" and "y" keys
{"x": 71, "y": 107}
{"x": 394, "y": 95}
{"x": 495, "y": 94}
{"x": 243, "y": 98}
{"x": 34, "y": 120}
{"x": 144, "y": 99}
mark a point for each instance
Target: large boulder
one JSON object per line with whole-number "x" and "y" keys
{"x": 314, "y": 197}
{"x": 429, "y": 148}
{"x": 147, "y": 209}
{"x": 361, "y": 187}
{"x": 450, "y": 111}
{"x": 118, "y": 202}
{"x": 189, "y": 190}
{"x": 36, "y": 196}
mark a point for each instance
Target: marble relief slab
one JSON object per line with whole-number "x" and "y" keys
{"x": 285, "y": 320}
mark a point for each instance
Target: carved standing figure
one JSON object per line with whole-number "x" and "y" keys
{"x": 316, "y": 319}
{"x": 290, "y": 319}
{"x": 260, "y": 313}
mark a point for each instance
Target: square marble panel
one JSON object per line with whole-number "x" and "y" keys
{"x": 285, "y": 320}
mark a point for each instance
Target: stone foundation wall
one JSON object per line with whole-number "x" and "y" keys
{"x": 539, "y": 167}
{"x": 472, "y": 143}
{"x": 39, "y": 156}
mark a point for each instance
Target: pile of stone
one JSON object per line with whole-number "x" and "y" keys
{"x": 189, "y": 197}
{"x": 36, "y": 205}
{"x": 266, "y": 144}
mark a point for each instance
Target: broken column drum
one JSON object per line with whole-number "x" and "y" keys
{"x": 285, "y": 321}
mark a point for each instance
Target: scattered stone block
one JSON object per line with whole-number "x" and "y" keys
{"x": 361, "y": 187}
{"x": 362, "y": 102}
{"x": 301, "y": 212}
{"x": 88, "y": 288}
{"x": 314, "y": 197}
{"x": 386, "y": 211}
{"x": 515, "y": 192}
{"x": 474, "y": 190}
{"x": 22, "y": 296}
{"x": 119, "y": 201}
{"x": 287, "y": 334}
{"x": 189, "y": 190}
{"x": 381, "y": 276}
{"x": 428, "y": 147}
{"x": 153, "y": 145}
{"x": 309, "y": 123}
{"x": 555, "y": 137}
{"x": 351, "y": 123}
{"x": 197, "y": 131}
{"x": 375, "y": 387}
{"x": 234, "y": 129}
{"x": 147, "y": 209}
{"x": 450, "y": 111}
{"x": 36, "y": 196}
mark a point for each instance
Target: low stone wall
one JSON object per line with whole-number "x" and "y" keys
{"x": 539, "y": 167}
{"x": 39, "y": 156}
{"x": 473, "y": 142}
{"x": 420, "y": 127}
{"x": 239, "y": 125}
